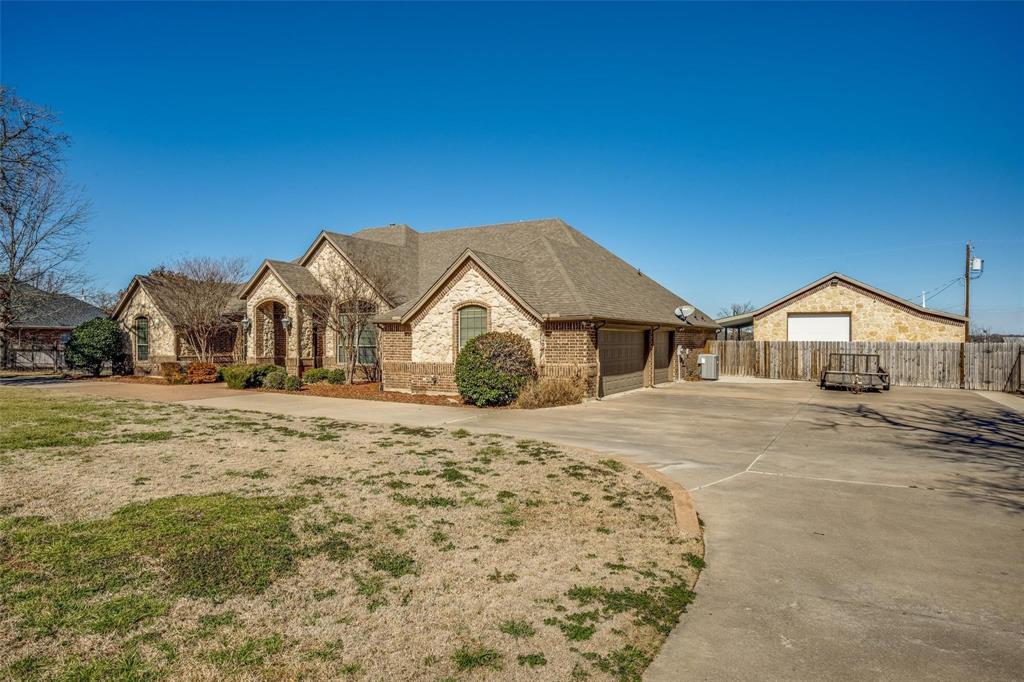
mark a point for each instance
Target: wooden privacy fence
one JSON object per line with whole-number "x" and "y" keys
{"x": 987, "y": 366}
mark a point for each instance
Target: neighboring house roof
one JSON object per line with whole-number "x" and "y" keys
{"x": 160, "y": 290}
{"x": 746, "y": 319}
{"x": 44, "y": 310}
{"x": 555, "y": 269}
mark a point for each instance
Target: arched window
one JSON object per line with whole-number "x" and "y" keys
{"x": 472, "y": 322}
{"x": 142, "y": 339}
{"x": 365, "y": 348}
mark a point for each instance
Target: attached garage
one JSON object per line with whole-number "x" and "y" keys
{"x": 662, "y": 356}
{"x": 818, "y": 327}
{"x": 621, "y": 354}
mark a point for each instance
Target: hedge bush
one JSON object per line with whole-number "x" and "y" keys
{"x": 201, "y": 373}
{"x": 172, "y": 373}
{"x": 275, "y": 380}
{"x": 493, "y": 368}
{"x": 246, "y": 376}
{"x": 292, "y": 383}
{"x": 95, "y": 342}
{"x": 319, "y": 374}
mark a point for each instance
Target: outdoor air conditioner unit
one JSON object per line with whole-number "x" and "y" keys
{"x": 708, "y": 366}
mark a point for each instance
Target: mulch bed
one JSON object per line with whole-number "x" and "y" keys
{"x": 371, "y": 391}
{"x": 129, "y": 379}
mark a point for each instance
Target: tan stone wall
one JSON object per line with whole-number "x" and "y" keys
{"x": 872, "y": 317}
{"x": 435, "y": 330}
{"x": 270, "y": 288}
{"x": 162, "y": 338}
{"x": 324, "y": 260}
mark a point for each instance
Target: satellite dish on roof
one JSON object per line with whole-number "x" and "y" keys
{"x": 684, "y": 311}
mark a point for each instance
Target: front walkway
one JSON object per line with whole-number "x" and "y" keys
{"x": 873, "y": 536}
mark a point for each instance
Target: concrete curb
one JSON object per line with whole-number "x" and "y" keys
{"x": 682, "y": 502}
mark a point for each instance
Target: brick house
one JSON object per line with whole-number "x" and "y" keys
{"x": 583, "y": 310}
{"x": 840, "y": 308}
{"x": 36, "y": 337}
{"x": 146, "y": 311}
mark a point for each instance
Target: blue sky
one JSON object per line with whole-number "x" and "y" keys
{"x": 734, "y": 152}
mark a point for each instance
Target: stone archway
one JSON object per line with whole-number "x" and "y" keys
{"x": 270, "y": 339}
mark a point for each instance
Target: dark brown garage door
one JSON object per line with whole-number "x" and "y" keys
{"x": 622, "y": 360}
{"x": 662, "y": 356}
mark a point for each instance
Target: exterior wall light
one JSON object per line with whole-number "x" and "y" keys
{"x": 286, "y": 322}
{"x": 246, "y": 324}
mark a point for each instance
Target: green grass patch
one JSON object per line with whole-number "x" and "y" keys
{"x": 145, "y": 437}
{"x": 250, "y": 653}
{"x": 625, "y": 665}
{"x": 33, "y": 421}
{"x": 520, "y": 629}
{"x": 477, "y": 657}
{"x": 53, "y": 575}
{"x": 696, "y": 562}
{"x": 394, "y": 564}
{"x": 658, "y": 607}
{"x": 531, "y": 660}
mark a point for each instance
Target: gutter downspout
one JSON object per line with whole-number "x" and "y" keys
{"x": 596, "y": 326}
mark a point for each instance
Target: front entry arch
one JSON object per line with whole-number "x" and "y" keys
{"x": 270, "y": 338}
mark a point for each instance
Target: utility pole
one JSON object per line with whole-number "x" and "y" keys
{"x": 967, "y": 294}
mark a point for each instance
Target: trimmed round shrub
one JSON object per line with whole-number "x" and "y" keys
{"x": 246, "y": 376}
{"x": 492, "y": 368}
{"x": 292, "y": 383}
{"x": 172, "y": 373}
{"x": 94, "y": 343}
{"x": 321, "y": 374}
{"x": 201, "y": 373}
{"x": 276, "y": 379}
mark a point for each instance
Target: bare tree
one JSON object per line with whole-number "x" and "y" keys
{"x": 351, "y": 300}
{"x": 736, "y": 309}
{"x": 201, "y": 296}
{"x": 103, "y": 299}
{"x": 42, "y": 217}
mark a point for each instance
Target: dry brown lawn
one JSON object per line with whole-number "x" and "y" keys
{"x": 142, "y": 540}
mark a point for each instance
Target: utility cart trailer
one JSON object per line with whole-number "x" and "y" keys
{"x": 854, "y": 371}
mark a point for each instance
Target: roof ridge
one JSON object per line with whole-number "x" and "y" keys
{"x": 504, "y": 224}
{"x": 570, "y": 285}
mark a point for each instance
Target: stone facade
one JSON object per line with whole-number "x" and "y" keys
{"x": 163, "y": 341}
{"x": 872, "y": 317}
{"x": 435, "y": 330}
{"x": 264, "y": 342}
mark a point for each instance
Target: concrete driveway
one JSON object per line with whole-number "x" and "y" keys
{"x": 876, "y": 536}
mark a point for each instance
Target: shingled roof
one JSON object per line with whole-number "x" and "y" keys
{"x": 554, "y": 268}
{"x": 38, "y": 309}
{"x": 161, "y": 292}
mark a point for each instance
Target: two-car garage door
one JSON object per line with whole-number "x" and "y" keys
{"x": 622, "y": 360}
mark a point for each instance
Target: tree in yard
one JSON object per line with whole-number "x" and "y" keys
{"x": 351, "y": 300}
{"x": 736, "y": 309}
{"x": 200, "y": 293}
{"x": 103, "y": 299}
{"x": 93, "y": 343}
{"x": 42, "y": 217}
